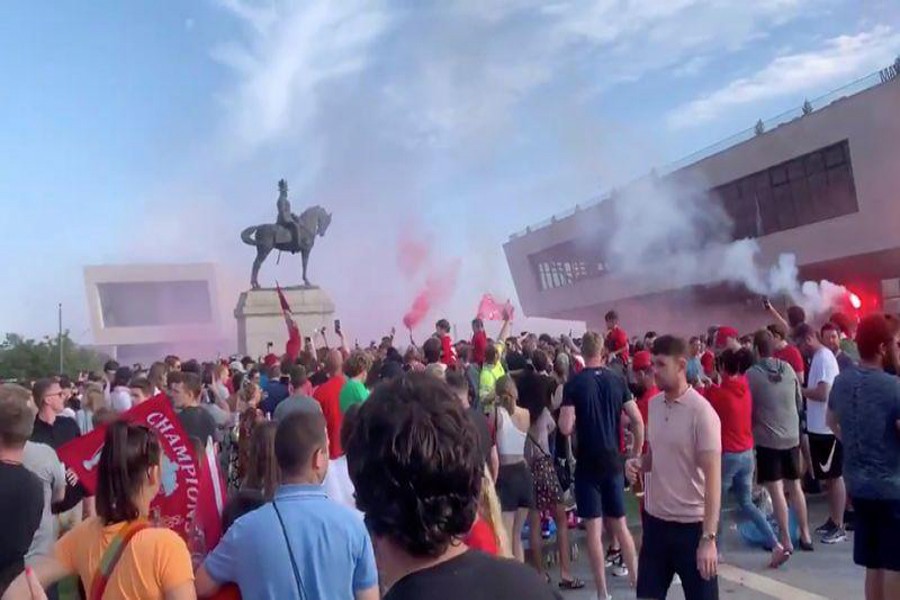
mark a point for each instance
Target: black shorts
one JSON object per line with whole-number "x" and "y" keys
{"x": 876, "y": 541}
{"x": 777, "y": 465}
{"x": 827, "y": 454}
{"x": 515, "y": 487}
{"x": 669, "y": 548}
{"x": 599, "y": 495}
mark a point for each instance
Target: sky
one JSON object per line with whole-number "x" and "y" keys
{"x": 156, "y": 131}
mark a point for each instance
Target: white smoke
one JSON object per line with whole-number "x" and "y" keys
{"x": 668, "y": 232}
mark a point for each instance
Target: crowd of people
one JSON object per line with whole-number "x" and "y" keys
{"x": 440, "y": 471}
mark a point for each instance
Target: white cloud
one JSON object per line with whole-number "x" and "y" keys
{"x": 291, "y": 52}
{"x": 837, "y": 60}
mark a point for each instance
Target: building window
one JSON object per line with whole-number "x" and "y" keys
{"x": 805, "y": 190}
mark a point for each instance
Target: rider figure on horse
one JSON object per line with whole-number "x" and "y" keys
{"x": 286, "y": 218}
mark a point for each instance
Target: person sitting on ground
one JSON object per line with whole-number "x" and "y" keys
{"x": 155, "y": 562}
{"x": 302, "y": 543}
{"x": 356, "y": 368}
{"x": 21, "y": 492}
{"x": 419, "y": 517}
{"x": 298, "y": 401}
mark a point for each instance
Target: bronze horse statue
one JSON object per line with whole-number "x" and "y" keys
{"x": 272, "y": 236}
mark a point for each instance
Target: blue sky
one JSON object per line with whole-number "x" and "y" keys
{"x": 155, "y": 131}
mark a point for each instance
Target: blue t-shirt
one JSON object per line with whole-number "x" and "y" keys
{"x": 598, "y": 396}
{"x": 867, "y": 404}
{"x": 275, "y": 393}
{"x": 330, "y": 544}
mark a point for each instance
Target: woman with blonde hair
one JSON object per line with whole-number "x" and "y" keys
{"x": 515, "y": 485}
{"x": 94, "y": 400}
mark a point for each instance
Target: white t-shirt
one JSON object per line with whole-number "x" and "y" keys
{"x": 824, "y": 367}
{"x": 120, "y": 399}
{"x": 337, "y": 484}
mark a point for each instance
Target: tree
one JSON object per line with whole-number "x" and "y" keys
{"x": 807, "y": 107}
{"x": 24, "y": 359}
{"x": 760, "y": 128}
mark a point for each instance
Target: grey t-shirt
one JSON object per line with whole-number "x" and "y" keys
{"x": 41, "y": 460}
{"x": 292, "y": 404}
{"x": 776, "y": 396}
{"x": 867, "y": 404}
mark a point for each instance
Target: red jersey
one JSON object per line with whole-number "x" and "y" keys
{"x": 329, "y": 397}
{"x": 481, "y": 537}
{"x": 708, "y": 362}
{"x": 731, "y": 400}
{"x": 479, "y": 347}
{"x": 448, "y": 352}
{"x": 617, "y": 339}
{"x": 792, "y": 356}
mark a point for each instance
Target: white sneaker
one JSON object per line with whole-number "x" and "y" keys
{"x": 618, "y": 568}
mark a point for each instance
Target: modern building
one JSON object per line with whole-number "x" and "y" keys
{"x": 142, "y": 312}
{"x": 821, "y": 183}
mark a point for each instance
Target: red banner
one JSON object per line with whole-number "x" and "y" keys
{"x": 491, "y": 310}
{"x": 188, "y": 486}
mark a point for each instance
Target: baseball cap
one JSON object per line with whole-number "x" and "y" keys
{"x": 270, "y": 360}
{"x": 641, "y": 360}
{"x": 723, "y": 334}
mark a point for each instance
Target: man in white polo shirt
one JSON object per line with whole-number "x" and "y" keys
{"x": 683, "y": 480}
{"x": 826, "y": 451}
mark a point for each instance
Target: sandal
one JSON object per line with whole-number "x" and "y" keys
{"x": 571, "y": 584}
{"x": 779, "y": 558}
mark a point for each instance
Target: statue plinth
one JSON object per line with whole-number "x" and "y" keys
{"x": 260, "y": 319}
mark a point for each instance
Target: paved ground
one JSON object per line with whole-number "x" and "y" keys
{"x": 828, "y": 573}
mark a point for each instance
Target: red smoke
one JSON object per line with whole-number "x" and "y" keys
{"x": 412, "y": 254}
{"x": 439, "y": 286}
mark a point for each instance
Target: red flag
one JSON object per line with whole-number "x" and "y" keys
{"x": 292, "y": 347}
{"x": 188, "y": 488}
{"x": 490, "y": 310}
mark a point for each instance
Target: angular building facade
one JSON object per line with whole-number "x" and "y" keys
{"x": 823, "y": 185}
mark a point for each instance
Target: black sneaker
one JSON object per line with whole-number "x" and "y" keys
{"x": 834, "y": 536}
{"x": 826, "y": 527}
{"x": 807, "y": 546}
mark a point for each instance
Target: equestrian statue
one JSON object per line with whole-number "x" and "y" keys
{"x": 289, "y": 233}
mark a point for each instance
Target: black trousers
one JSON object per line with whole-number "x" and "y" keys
{"x": 669, "y": 548}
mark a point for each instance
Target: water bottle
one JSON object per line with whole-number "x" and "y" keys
{"x": 196, "y": 542}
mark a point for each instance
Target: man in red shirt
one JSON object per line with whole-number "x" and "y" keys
{"x": 727, "y": 338}
{"x": 731, "y": 400}
{"x": 616, "y": 344}
{"x": 479, "y": 342}
{"x": 644, "y": 385}
{"x": 787, "y": 352}
{"x": 328, "y": 396}
{"x": 448, "y": 352}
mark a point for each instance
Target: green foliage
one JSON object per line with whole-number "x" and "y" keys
{"x": 25, "y": 359}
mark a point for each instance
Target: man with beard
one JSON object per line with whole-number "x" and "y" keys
{"x": 683, "y": 469}
{"x": 826, "y": 450}
{"x": 864, "y": 412}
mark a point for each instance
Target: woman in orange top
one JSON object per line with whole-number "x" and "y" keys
{"x": 155, "y": 563}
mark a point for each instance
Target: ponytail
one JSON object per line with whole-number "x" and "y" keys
{"x": 129, "y": 451}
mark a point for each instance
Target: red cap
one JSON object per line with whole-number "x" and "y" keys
{"x": 641, "y": 360}
{"x": 723, "y": 334}
{"x": 270, "y": 360}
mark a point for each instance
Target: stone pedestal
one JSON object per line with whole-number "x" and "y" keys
{"x": 260, "y": 320}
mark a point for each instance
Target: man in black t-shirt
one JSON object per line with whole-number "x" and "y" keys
{"x": 55, "y": 430}
{"x": 593, "y": 402}
{"x": 185, "y": 389}
{"x": 21, "y": 492}
{"x": 419, "y": 516}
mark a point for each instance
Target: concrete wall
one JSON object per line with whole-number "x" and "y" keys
{"x": 869, "y": 122}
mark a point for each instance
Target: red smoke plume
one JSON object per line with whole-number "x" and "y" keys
{"x": 439, "y": 286}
